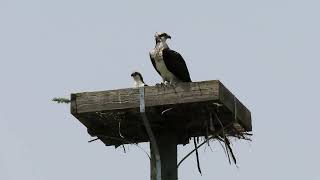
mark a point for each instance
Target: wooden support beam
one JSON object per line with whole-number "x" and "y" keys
{"x": 167, "y": 143}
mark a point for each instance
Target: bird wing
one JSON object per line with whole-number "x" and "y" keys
{"x": 176, "y": 65}
{"x": 154, "y": 63}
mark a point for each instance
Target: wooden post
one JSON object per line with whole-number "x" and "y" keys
{"x": 167, "y": 144}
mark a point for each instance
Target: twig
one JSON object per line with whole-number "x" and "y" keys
{"x": 230, "y": 149}
{"x": 124, "y": 149}
{"x": 226, "y": 142}
{"x": 93, "y": 140}
{"x": 246, "y": 133}
{"x": 210, "y": 146}
{"x": 197, "y": 155}
{"x": 224, "y": 136}
{"x": 119, "y": 129}
{"x": 204, "y": 142}
{"x": 163, "y": 112}
{"x": 211, "y": 126}
{"x": 126, "y": 141}
{"x": 61, "y": 100}
{"x": 224, "y": 150}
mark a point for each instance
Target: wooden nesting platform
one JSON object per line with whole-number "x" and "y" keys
{"x": 187, "y": 110}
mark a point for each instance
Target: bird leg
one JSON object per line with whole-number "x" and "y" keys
{"x": 172, "y": 84}
{"x": 160, "y": 84}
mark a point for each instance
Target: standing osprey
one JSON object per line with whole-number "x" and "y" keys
{"x": 138, "y": 79}
{"x": 171, "y": 67}
{"x": 168, "y": 63}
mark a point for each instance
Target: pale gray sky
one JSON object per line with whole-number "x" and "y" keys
{"x": 265, "y": 52}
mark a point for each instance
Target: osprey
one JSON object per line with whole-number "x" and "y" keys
{"x": 168, "y": 63}
{"x": 138, "y": 79}
{"x": 171, "y": 67}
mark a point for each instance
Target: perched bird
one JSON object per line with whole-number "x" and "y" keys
{"x": 171, "y": 67}
{"x": 168, "y": 63}
{"x": 138, "y": 80}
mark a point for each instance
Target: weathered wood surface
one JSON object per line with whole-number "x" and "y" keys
{"x": 154, "y": 96}
{"x": 114, "y": 115}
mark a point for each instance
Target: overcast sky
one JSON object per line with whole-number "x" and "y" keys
{"x": 266, "y": 52}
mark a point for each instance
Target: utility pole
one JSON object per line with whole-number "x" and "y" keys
{"x": 167, "y": 144}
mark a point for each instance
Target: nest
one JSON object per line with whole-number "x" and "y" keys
{"x": 203, "y": 124}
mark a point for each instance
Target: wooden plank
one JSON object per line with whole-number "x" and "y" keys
{"x": 240, "y": 113}
{"x": 154, "y": 96}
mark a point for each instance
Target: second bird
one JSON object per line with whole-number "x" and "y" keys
{"x": 168, "y": 63}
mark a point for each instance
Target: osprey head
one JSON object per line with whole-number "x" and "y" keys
{"x": 137, "y": 76}
{"x": 138, "y": 80}
{"x": 161, "y": 37}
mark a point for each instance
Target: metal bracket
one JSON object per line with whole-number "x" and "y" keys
{"x": 152, "y": 138}
{"x": 142, "y": 103}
